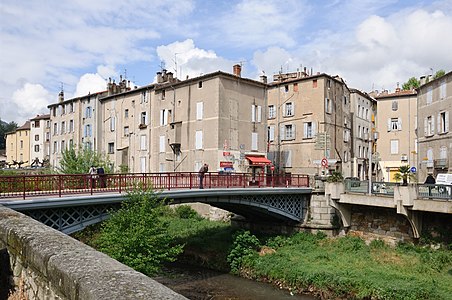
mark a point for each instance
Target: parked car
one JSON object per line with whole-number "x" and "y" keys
{"x": 444, "y": 180}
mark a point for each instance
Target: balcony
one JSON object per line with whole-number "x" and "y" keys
{"x": 441, "y": 163}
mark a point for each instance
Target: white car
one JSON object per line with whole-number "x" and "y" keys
{"x": 444, "y": 179}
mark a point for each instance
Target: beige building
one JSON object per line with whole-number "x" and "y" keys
{"x": 308, "y": 120}
{"x": 217, "y": 118}
{"x": 18, "y": 145}
{"x": 396, "y": 125}
{"x": 39, "y": 139}
{"x": 363, "y": 110}
{"x": 435, "y": 139}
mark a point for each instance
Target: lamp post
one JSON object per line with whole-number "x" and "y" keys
{"x": 370, "y": 139}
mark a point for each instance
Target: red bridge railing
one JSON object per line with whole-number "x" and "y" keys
{"x": 57, "y": 185}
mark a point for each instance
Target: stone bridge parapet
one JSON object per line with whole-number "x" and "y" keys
{"x": 38, "y": 262}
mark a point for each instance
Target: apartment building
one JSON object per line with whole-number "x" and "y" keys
{"x": 396, "y": 124}
{"x": 216, "y": 118}
{"x": 309, "y": 120}
{"x": 39, "y": 139}
{"x": 126, "y": 128}
{"x": 74, "y": 123}
{"x": 363, "y": 110}
{"x": 18, "y": 145}
{"x": 435, "y": 140}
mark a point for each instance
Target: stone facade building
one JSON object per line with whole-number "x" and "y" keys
{"x": 39, "y": 139}
{"x": 18, "y": 145}
{"x": 308, "y": 120}
{"x": 435, "y": 138}
{"x": 363, "y": 110}
{"x": 396, "y": 124}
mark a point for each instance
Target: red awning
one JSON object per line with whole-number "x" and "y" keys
{"x": 258, "y": 160}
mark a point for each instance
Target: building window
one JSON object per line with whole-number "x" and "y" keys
{"x": 36, "y": 148}
{"x": 63, "y": 146}
{"x": 359, "y": 132}
{"x": 143, "y": 97}
{"x": 443, "y": 122}
{"x": 71, "y": 143}
{"x": 394, "y": 146}
{"x": 394, "y": 124}
{"x": 360, "y": 153}
{"x": 443, "y": 152}
{"x": 55, "y": 128}
{"x": 111, "y": 148}
{"x": 88, "y": 112}
{"x": 199, "y": 84}
{"x": 286, "y": 88}
{"x": 271, "y": 112}
{"x": 47, "y": 136}
{"x": 256, "y": 113}
{"x": 199, "y": 110}
{"x": 126, "y": 113}
{"x": 55, "y": 147}
{"x": 88, "y": 131}
{"x": 48, "y": 124}
{"x": 198, "y": 140}
{"x": 162, "y": 144}
{"x": 429, "y": 126}
{"x": 442, "y": 90}
{"x": 163, "y": 94}
{"x": 395, "y": 105}
{"x": 345, "y": 100}
{"x": 36, "y": 137}
{"x": 288, "y": 132}
{"x": 126, "y": 130}
{"x": 164, "y": 116}
{"x": 309, "y": 130}
{"x": 314, "y": 83}
{"x": 271, "y": 133}
{"x": 143, "y": 119}
{"x": 295, "y": 87}
{"x": 143, "y": 142}
{"x": 112, "y": 123}
{"x": 63, "y": 127}
{"x": 289, "y": 109}
{"x": 71, "y": 125}
{"x": 429, "y": 95}
{"x": 54, "y": 112}
{"x": 71, "y": 107}
{"x": 328, "y": 106}
{"x": 36, "y": 124}
{"x": 346, "y": 135}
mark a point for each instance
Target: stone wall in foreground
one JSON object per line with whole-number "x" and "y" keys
{"x": 37, "y": 262}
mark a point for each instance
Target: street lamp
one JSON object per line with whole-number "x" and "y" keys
{"x": 372, "y": 138}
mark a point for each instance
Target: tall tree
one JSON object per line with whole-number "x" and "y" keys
{"x": 5, "y": 128}
{"x": 412, "y": 83}
{"x": 79, "y": 161}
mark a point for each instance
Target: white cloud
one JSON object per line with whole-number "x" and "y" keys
{"x": 89, "y": 84}
{"x": 30, "y": 100}
{"x": 272, "y": 60}
{"x": 191, "y": 61}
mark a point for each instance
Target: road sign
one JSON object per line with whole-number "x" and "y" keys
{"x": 413, "y": 170}
{"x": 324, "y": 162}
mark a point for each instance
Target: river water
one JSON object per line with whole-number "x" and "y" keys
{"x": 197, "y": 283}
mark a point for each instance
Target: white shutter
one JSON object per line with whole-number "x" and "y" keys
{"x": 282, "y": 133}
{"x": 439, "y": 123}
{"x": 259, "y": 114}
{"x": 394, "y": 146}
{"x": 161, "y": 117}
{"x": 425, "y": 126}
{"x": 399, "y": 123}
{"x": 293, "y": 108}
{"x": 313, "y": 126}
{"x": 389, "y": 124}
{"x": 143, "y": 164}
{"x": 143, "y": 142}
{"x": 253, "y": 113}
{"x": 288, "y": 162}
{"x": 162, "y": 143}
{"x": 294, "y": 133}
{"x": 433, "y": 125}
{"x": 305, "y": 130}
{"x": 199, "y": 110}
{"x": 253, "y": 140}
{"x": 446, "y": 125}
{"x": 165, "y": 117}
{"x": 271, "y": 134}
{"x": 198, "y": 139}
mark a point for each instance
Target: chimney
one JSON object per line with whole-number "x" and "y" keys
{"x": 159, "y": 77}
{"x": 61, "y": 96}
{"x": 263, "y": 78}
{"x": 237, "y": 70}
{"x": 170, "y": 76}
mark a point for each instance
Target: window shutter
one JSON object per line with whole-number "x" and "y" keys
{"x": 288, "y": 162}
{"x": 143, "y": 142}
{"x": 446, "y": 125}
{"x": 399, "y": 123}
{"x": 253, "y": 140}
{"x": 439, "y": 123}
{"x": 281, "y": 132}
{"x": 259, "y": 114}
{"x": 294, "y": 133}
{"x": 161, "y": 117}
{"x": 305, "y": 130}
{"x": 199, "y": 110}
{"x": 198, "y": 139}
{"x": 433, "y": 124}
{"x": 389, "y": 124}
{"x": 314, "y": 129}
{"x": 425, "y": 126}
{"x": 271, "y": 136}
{"x": 165, "y": 117}
{"x": 293, "y": 108}
{"x": 162, "y": 143}
{"x": 253, "y": 113}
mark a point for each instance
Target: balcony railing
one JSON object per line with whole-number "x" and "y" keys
{"x": 441, "y": 163}
{"x": 436, "y": 191}
{"x": 57, "y": 185}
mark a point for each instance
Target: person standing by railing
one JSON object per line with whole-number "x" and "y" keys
{"x": 430, "y": 180}
{"x": 204, "y": 169}
{"x": 93, "y": 175}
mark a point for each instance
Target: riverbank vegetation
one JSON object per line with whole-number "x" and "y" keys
{"x": 343, "y": 268}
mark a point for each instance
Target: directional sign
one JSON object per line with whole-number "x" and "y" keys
{"x": 413, "y": 170}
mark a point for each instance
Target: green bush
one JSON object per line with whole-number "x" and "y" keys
{"x": 186, "y": 212}
{"x": 244, "y": 247}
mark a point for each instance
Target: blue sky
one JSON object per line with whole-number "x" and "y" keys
{"x": 372, "y": 44}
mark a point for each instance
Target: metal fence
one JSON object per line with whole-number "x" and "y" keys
{"x": 57, "y": 185}
{"x": 436, "y": 191}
